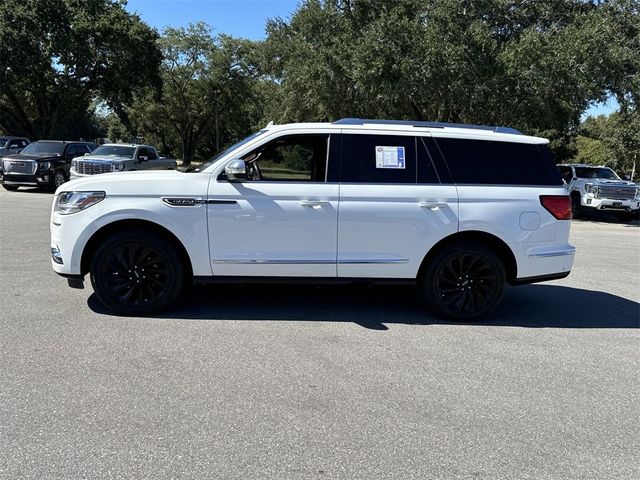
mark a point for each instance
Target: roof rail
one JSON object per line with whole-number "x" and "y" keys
{"x": 412, "y": 123}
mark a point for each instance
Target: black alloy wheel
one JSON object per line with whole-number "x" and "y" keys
{"x": 136, "y": 273}
{"x": 464, "y": 282}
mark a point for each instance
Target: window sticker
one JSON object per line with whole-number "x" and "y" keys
{"x": 390, "y": 157}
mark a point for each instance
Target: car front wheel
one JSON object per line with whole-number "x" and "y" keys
{"x": 135, "y": 273}
{"x": 464, "y": 282}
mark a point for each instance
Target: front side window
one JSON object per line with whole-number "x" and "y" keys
{"x": 14, "y": 144}
{"x": 294, "y": 158}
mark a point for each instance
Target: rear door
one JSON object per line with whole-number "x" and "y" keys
{"x": 396, "y": 202}
{"x": 282, "y": 220}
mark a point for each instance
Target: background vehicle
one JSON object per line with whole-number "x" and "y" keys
{"x": 448, "y": 208}
{"x": 43, "y": 164}
{"x": 119, "y": 158}
{"x": 600, "y": 188}
{"x": 11, "y": 145}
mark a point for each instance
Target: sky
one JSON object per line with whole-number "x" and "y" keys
{"x": 243, "y": 18}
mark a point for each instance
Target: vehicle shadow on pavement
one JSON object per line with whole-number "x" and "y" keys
{"x": 377, "y": 307}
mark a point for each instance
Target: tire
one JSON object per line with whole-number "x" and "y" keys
{"x": 57, "y": 179}
{"x": 576, "y": 208}
{"x": 626, "y": 217}
{"x": 464, "y": 282}
{"x": 11, "y": 188}
{"x": 136, "y": 273}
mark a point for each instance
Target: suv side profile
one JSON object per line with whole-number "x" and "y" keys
{"x": 459, "y": 211}
{"x": 595, "y": 187}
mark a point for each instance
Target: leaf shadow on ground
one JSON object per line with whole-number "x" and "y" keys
{"x": 378, "y": 307}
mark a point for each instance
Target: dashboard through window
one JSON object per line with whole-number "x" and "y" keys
{"x": 293, "y": 158}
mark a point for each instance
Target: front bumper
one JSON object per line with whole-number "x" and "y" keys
{"x": 39, "y": 179}
{"x": 611, "y": 204}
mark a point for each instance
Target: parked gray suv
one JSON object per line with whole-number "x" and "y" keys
{"x": 115, "y": 157}
{"x": 12, "y": 145}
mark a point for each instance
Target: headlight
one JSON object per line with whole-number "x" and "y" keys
{"x": 591, "y": 188}
{"x": 73, "y": 202}
{"x": 44, "y": 165}
{"x": 117, "y": 167}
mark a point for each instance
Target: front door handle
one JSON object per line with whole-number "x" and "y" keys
{"x": 432, "y": 205}
{"x": 313, "y": 203}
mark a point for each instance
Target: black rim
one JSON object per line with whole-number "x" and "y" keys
{"x": 135, "y": 275}
{"x": 467, "y": 284}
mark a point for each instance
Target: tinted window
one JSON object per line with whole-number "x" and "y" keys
{"x": 115, "y": 150}
{"x": 498, "y": 163}
{"x": 431, "y": 167}
{"x": 14, "y": 144}
{"x": 71, "y": 151}
{"x": 596, "y": 172}
{"x": 290, "y": 158}
{"x": 378, "y": 159}
{"x": 42, "y": 148}
{"x": 566, "y": 173}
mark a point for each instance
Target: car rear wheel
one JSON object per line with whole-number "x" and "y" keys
{"x": 134, "y": 273}
{"x": 464, "y": 282}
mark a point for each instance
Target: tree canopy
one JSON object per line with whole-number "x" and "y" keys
{"x": 57, "y": 56}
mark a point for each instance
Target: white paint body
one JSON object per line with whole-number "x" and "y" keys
{"x": 309, "y": 229}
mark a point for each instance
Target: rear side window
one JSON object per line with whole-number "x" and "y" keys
{"x": 378, "y": 159}
{"x": 498, "y": 163}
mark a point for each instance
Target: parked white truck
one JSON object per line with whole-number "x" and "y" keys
{"x": 594, "y": 188}
{"x": 114, "y": 157}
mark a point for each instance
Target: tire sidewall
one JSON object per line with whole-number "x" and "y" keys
{"x": 428, "y": 284}
{"x": 162, "y": 246}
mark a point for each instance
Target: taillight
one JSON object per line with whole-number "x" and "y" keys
{"x": 557, "y": 205}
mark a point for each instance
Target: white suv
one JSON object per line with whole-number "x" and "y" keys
{"x": 458, "y": 210}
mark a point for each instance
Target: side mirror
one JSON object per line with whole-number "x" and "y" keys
{"x": 87, "y": 154}
{"x": 626, "y": 177}
{"x": 236, "y": 170}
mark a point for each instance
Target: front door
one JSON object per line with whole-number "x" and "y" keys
{"x": 282, "y": 219}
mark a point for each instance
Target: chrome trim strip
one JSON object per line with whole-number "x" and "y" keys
{"x": 559, "y": 253}
{"x": 310, "y": 262}
{"x": 183, "y": 201}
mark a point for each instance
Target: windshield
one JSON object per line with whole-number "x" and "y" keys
{"x": 596, "y": 172}
{"x": 3, "y": 142}
{"x": 210, "y": 162}
{"x": 114, "y": 151}
{"x": 42, "y": 148}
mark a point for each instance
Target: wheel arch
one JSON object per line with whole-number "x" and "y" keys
{"x": 491, "y": 241}
{"x": 126, "y": 225}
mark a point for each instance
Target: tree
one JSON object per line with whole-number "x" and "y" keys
{"x": 56, "y": 56}
{"x": 532, "y": 65}
{"x": 208, "y": 95}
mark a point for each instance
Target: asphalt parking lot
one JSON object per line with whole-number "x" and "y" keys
{"x": 331, "y": 382}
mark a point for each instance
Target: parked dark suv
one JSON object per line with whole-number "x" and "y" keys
{"x": 43, "y": 164}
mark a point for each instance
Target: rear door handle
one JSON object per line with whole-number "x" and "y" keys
{"x": 432, "y": 205}
{"x": 313, "y": 203}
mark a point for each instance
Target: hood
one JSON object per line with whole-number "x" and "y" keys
{"x": 107, "y": 158}
{"x": 140, "y": 182}
{"x": 39, "y": 158}
{"x": 604, "y": 181}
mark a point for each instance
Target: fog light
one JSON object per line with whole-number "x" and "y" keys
{"x": 56, "y": 255}
{"x": 588, "y": 201}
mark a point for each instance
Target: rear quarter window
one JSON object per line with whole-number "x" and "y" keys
{"x": 499, "y": 163}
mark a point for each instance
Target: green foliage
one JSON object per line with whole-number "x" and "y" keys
{"x": 612, "y": 140}
{"x": 208, "y": 97}
{"x": 532, "y": 65}
{"x": 57, "y": 55}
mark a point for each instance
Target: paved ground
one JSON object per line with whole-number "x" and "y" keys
{"x": 307, "y": 382}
